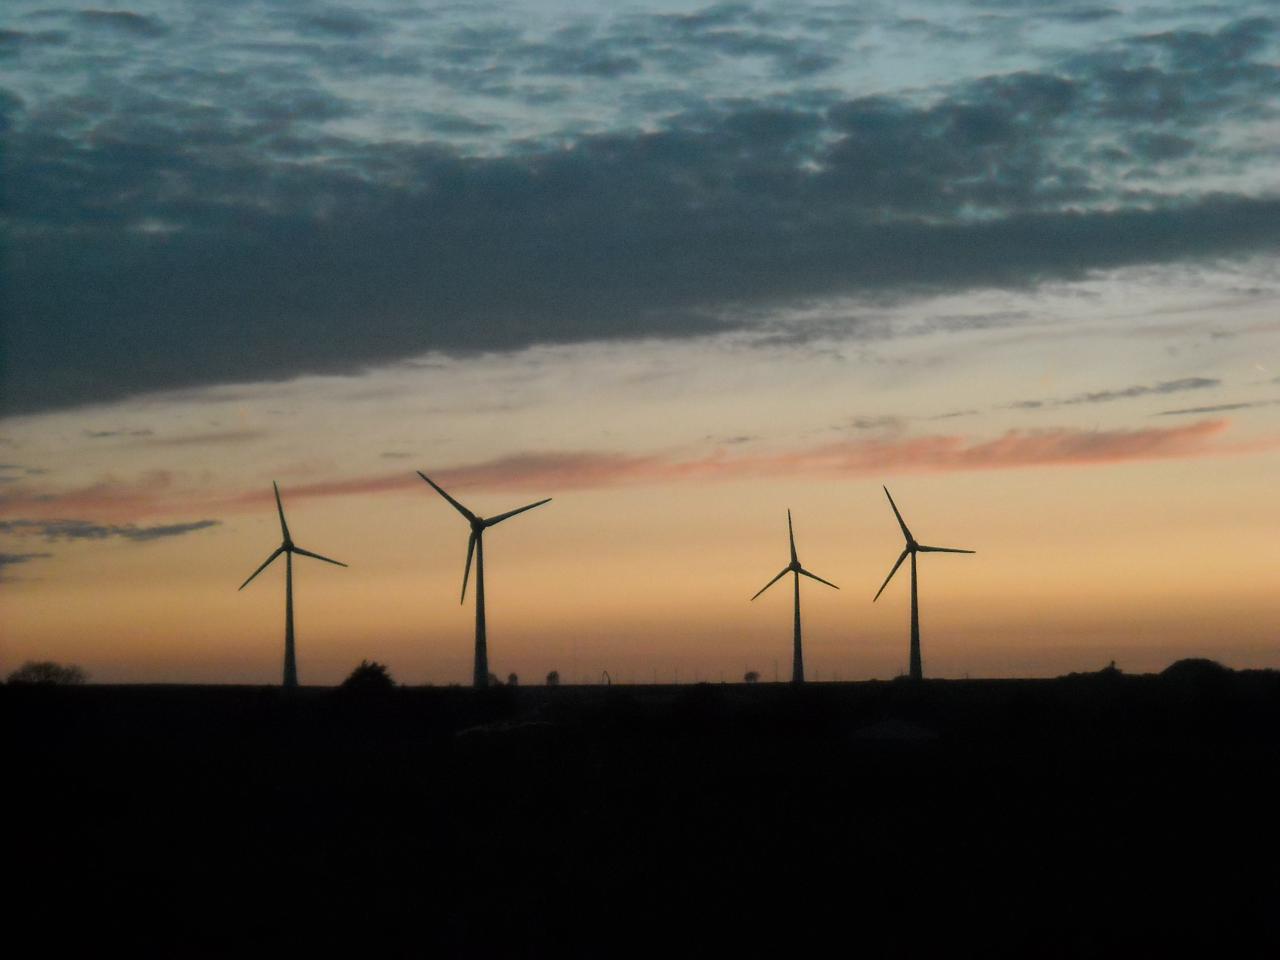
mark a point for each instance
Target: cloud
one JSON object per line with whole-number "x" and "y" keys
{"x": 1127, "y": 393}
{"x": 14, "y": 559}
{"x": 124, "y": 22}
{"x": 149, "y": 438}
{"x": 104, "y": 434}
{"x": 202, "y": 439}
{"x": 883, "y": 422}
{"x": 559, "y": 471}
{"x": 141, "y": 213}
{"x": 11, "y": 559}
{"x": 552, "y": 472}
{"x": 151, "y": 493}
{"x": 340, "y": 23}
{"x": 55, "y": 530}
{"x": 1217, "y": 408}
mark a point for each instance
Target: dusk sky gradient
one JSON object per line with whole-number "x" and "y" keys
{"x": 679, "y": 267}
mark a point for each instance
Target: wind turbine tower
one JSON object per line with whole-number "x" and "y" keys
{"x": 288, "y": 548}
{"x": 797, "y": 654}
{"x": 912, "y": 548}
{"x": 475, "y": 545}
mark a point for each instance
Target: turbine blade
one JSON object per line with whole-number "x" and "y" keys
{"x": 902, "y": 523}
{"x": 901, "y": 557}
{"x": 814, "y": 576}
{"x": 785, "y": 571}
{"x": 792, "y": 535}
{"x": 466, "y": 571}
{"x": 284, "y": 527}
{"x": 456, "y": 505}
{"x": 511, "y": 513}
{"x": 308, "y": 553}
{"x": 943, "y": 550}
{"x": 266, "y": 563}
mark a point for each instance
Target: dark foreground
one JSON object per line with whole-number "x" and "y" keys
{"x": 1111, "y": 816}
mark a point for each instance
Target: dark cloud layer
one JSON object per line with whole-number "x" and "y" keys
{"x": 55, "y": 530}
{"x": 168, "y": 241}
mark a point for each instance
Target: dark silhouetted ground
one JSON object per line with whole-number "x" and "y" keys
{"x": 1088, "y": 816}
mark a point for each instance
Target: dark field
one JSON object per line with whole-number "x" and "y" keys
{"x": 1094, "y": 816}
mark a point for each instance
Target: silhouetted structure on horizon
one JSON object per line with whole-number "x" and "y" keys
{"x": 288, "y": 548}
{"x": 797, "y": 655}
{"x": 912, "y": 547}
{"x": 480, "y": 676}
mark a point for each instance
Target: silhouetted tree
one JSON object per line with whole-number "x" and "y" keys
{"x": 1199, "y": 677}
{"x": 1196, "y": 668}
{"x": 494, "y": 681}
{"x": 369, "y": 677}
{"x": 751, "y": 676}
{"x": 553, "y": 678}
{"x": 513, "y": 680}
{"x": 48, "y": 673}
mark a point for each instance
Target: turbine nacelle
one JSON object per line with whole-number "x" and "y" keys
{"x": 911, "y": 549}
{"x": 794, "y": 566}
{"x": 478, "y": 525}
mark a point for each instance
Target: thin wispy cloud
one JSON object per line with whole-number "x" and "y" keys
{"x": 593, "y": 469}
{"x": 69, "y": 530}
{"x": 1218, "y": 408}
{"x": 108, "y": 434}
{"x": 576, "y": 470}
{"x": 13, "y": 559}
{"x": 1127, "y": 393}
{"x": 8, "y": 560}
{"x": 150, "y": 493}
{"x": 218, "y": 437}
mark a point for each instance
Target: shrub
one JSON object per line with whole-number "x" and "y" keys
{"x": 48, "y": 673}
{"x": 553, "y": 678}
{"x": 751, "y": 676}
{"x": 369, "y": 677}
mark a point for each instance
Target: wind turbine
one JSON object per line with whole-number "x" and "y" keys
{"x": 288, "y": 548}
{"x": 911, "y": 548}
{"x": 480, "y": 677}
{"x": 797, "y": 657}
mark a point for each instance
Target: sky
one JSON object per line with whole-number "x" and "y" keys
{"x": 680, "y": 267}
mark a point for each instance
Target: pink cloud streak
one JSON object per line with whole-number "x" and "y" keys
{"x": 157, "y": 493}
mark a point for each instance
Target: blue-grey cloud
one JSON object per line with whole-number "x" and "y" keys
{"x": 199, "y": 224}
{"x": 56, "y": 530}
{"x": 339, "y": 22}
{"x": 123, "y": 21}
